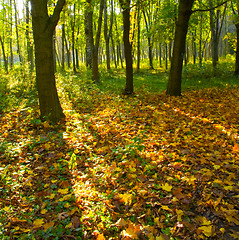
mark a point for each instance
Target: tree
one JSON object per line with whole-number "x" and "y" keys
{"x": 175, "y": 77}
{"x": 129, "y": 88}
{"x": 43, "y": 30}
{"x": 215, "y": 27}
{"x": 236, "y": 21}
{"x": 92, "y": 46}
{"x": 108, "y": 33}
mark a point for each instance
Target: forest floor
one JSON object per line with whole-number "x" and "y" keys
{"x": 142, "y": 167}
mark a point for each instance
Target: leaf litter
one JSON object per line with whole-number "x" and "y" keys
{"x": 144, "y": 167}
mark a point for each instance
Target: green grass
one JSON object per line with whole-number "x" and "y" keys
{"x": 17, "y": 89}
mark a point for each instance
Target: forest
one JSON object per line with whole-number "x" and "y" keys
{"x": 119, "y": 119}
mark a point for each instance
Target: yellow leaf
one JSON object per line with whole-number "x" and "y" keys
{"x": 126, "y": 198}
{"x": 164, "y": 207}
{"x": 43, "y": 211}
{"x": 205, "y": 221}
{"x": 67, "y": 205}
{"x": 53, "y": 181}
{"x": 180, "y": 213}
{"x": 51, "y": 196}
{"x": 68, "y": 225}
{"x": 48, "y": 225}
{"x": 46, "y": 124}
{"x": 207, "y": 230}
{"x": 63, "y": 191}
{"x": 228, "y": 188}
{"x": 38, "y": 222}
{"x": 47, "y": 146}
{"x": 166, "y": 187}
{"x": 222, "y": 230}
{"x": 6, "y": 209}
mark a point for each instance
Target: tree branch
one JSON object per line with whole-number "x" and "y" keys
{"x": 209, "y": 9}
{"x": 56, "y": 14}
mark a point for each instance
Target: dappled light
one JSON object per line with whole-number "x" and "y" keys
{"x": 147, "y": 166}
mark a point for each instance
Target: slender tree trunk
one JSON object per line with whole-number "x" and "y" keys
{"x": 138, "y": 39}
{"x": 11, "y": 33}
{"x": 175, "y": 77}
{"x": 4, "y": 55}
{"x": 63, "y": 46}
{"x": 68, "y": 54}
{"x": 149, "y": 41}
{"x": 129, "y": 88}
{"x": 108, "y": 33}
{"x": 237, "y": 52}
{"x": 17, "y": 35}
{"x": 43, "y": 30}
{"x": 113, "y": 48}
{"x": 166, "y": 56}
{"x": 29, "y": 45}
{"x": 95, "y": 64}
{"x": 89, "y": 33}
{"x": 73, "y": 38}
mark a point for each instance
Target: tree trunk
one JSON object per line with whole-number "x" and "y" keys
{"x": 89, "y": 33}
{"x": 95, "y": 64}
{"x": 4, "y": 55}
{"x": 63, "y": 46}
{"x": 237, "y": 52}
{"x": 43, "y": 30}
{"x": 129, "y": 88}
{"x": 147, "y": 23}
{"x": 29, "y": 45}
{"x": 73, "y": 38}
{"x": 216, "y": 28}
{"x": 17, "y": 35}
{"x": 11, "y": 33}
{"x": 107, "y": 34}
{"x": 138, "y": 39}
{"x": 175, "y": 77}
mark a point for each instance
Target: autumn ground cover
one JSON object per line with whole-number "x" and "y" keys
{"x": 147, "y": 166}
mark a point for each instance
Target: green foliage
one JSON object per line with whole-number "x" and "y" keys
{"x": 17, "y": 89}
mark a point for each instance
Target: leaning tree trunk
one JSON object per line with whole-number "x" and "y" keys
{"x": 175, "y": 77}
{"x": 43, "y": 30}
{"x": 129, "y": 88}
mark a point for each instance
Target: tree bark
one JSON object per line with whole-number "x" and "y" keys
{"x": 175, "y": 77}
{"x": 237, "y": 52}
{"x": 138, "y": 39}
{"x": 43, "y": 30}
{"x": 108, "y": 33}
{"x": 73, "y": 38}
{"x": 29, "y": 45}
{"x": 95, "y": 64}
{"x": 17, "y": 34}
{"x": 150, "y": 49}
{"x": 89, "y": 33}
{"x": 129, "y": 88}
{"x": 4, "y": 54}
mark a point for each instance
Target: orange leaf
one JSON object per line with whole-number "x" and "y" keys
{"x": 100, "y": 237}
{"x": 236, "y": 148}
